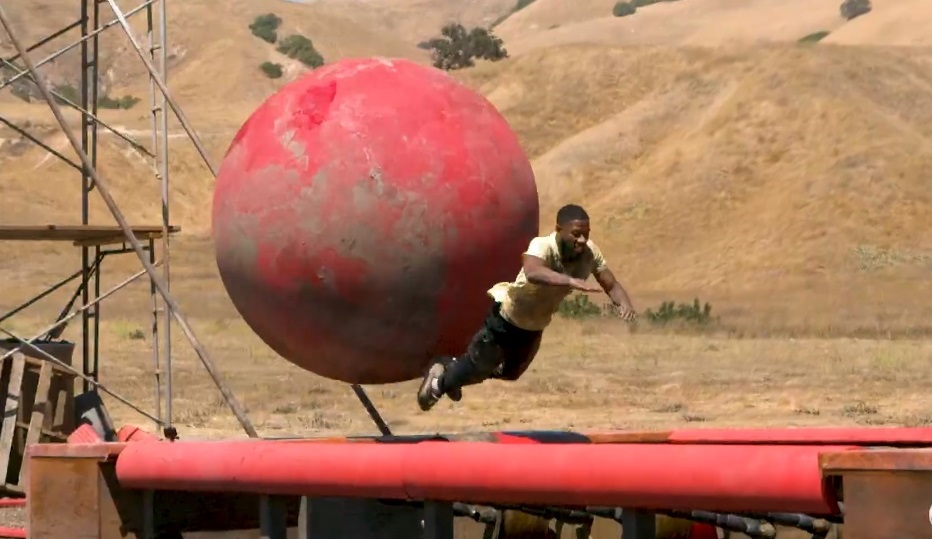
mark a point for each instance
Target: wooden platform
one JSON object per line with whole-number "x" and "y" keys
{"x": 887, "y": 492}
{"x": 38, "y": 405}
{"x": 82, "y": 235}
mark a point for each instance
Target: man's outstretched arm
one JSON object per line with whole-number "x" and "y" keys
{"x": 614, "y": 290}
{"x": 538, "y": 273}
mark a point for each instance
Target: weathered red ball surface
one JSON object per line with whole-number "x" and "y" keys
{"x": 362, "y": 212}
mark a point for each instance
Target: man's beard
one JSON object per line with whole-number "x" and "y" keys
{"x": 566, "y": 251}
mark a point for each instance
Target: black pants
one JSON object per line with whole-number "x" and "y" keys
{"x": 498, "y": 350}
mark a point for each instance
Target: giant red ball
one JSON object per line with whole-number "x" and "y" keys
{"x": 362, "y": 212}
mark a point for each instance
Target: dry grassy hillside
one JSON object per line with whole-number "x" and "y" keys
{"x": 891, "y": 22}
{"x": 547, "y": 23}
{"x": 752, "y": 179}
{"x": 417, "y": 20}
{"x": 213, "y": 57}
{"x": 213, "y": 73}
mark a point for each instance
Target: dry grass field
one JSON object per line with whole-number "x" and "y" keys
{"x": 787, "y": 185}
{"x": 589, "y": 375}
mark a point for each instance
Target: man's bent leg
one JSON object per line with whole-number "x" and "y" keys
{"x": 480, "y": 360}
{"x": 518, "y": 357}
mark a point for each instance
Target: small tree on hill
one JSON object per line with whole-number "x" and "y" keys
{"x": 265, "y": 27}
{"x": 854, "y": 8}
{"x": 301, "y": 49}
{"x": 623, "y": 9}
{"x": 521, "y": 4}
{"x": 272, "y": 71}
{"x": 457, "y": 48}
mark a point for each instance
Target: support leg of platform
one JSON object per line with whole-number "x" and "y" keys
{"x": 638, "y": 524}
{"x": 273, "y": 517}
{"x": 438, "y": 520}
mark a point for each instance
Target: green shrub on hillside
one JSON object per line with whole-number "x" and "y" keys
{"x": 302, "y": 49}
{"x": 68, "y": 92}
{"x": 669, "y": 312}
{"x": 578, "y": 306}
{"x": 521, "y": 4}
{"x": 623, "y": 9}
{"x": 814, "y": 37}
{"x": 458, "y": 48}
{"x": 850, "y": 9}
{"x": 125, "y": 102}
{"x": 272, "y": 71}
{"x": 265, "y": 27}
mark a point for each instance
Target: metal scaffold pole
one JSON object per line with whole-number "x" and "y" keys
{"x": 163, "y": 172}
{"x": 157, "y": 30}
{"x": 89, "y": 90}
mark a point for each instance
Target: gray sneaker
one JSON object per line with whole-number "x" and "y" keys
{"x": 429, "y": 393}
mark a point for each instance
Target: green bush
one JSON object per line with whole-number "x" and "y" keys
{"x": 457, "y": 48}
{"x": 73, "y": 94}
{"x": 125, "y": 102}
{"x": 578, "y": 306}
{"x": 850, "y": 9}
{"x": 814, "y": 37}
{"x": 521, "y": 4}
{"x": 272, "y": 71}
{"x": 69, "y": 92}
{"x": 623, "y": 9}
{"x": 265, "y": 27}
{"x": 671, "y": 312}
{"x": 302, "y": 49}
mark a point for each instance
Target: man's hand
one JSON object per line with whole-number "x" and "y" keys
{"x": 626, "y": 313}
{"x": 579, "y": 284}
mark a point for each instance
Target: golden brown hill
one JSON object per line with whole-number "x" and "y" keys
{"x": 890, "y": 22}
{"x": 418, "y": 20}
{"x": 794, "y": 180}
{"x": 213, "y": 57}
{"x": 213, "y": 73}
{"x": 547, "y": 23}
{"x": 787, "y": 185}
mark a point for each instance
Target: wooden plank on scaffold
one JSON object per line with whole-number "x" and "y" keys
{"x": 41, "y": 418}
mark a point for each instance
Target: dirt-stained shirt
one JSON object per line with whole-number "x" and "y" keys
{"x": 532, "y": 306}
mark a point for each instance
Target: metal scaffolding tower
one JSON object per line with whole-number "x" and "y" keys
{"x": 150, "y": 243}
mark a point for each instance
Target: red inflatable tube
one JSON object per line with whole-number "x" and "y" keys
{"x": 731, "y": 478}
{"x": 13, "y": 533}
{"x": 889, "y": 436}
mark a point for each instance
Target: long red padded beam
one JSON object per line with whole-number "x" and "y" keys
{"x": 734, "y": 478}
{"x": 876, "y": 436}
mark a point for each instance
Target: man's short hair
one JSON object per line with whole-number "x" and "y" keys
{"x": 571, "y": 212}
